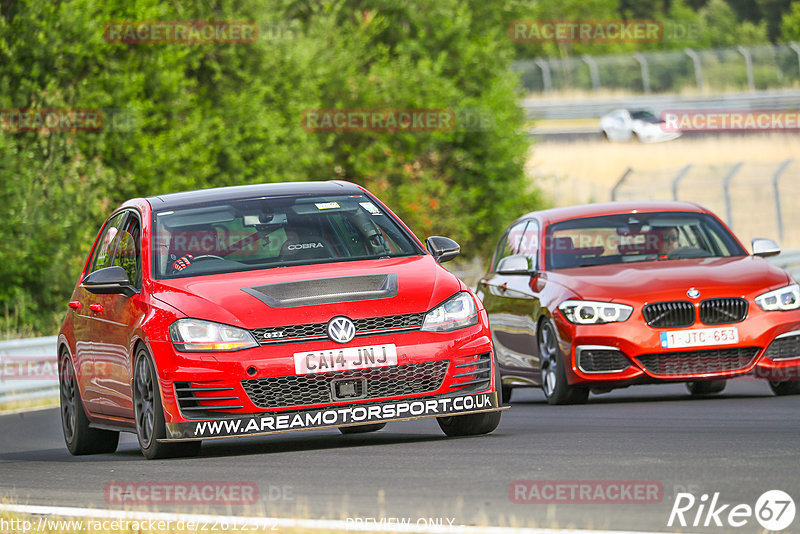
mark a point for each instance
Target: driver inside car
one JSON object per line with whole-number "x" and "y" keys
{"x": 669, "y": 240}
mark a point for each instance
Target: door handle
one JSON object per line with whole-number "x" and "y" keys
{"x": 97, "y": 308}
{"x": 503, "y": 286}
{"x": 75, "y": 305}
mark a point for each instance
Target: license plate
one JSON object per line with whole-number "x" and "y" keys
{"x": 344, "y": 359}
{"x": 702, "y": 337}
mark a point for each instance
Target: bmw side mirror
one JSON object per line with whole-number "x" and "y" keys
{"x": 442, "y": 248}
{"x": 109, "y": 281}
{"x": 765, "y": 247}
{"x": 516, "y": 264}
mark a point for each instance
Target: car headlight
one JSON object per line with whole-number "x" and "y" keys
{"x": 196, "y": 335}
{"x": 591, "y": 312}
{"x": 458, "y": 311}
{"x": 785, "y": 298}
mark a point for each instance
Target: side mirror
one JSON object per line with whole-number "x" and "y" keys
{"x": 442, "y": 248}
{"x": 765, "y": 247}
{"x": 516, "y": 264}
{"x": 109, "y": 281}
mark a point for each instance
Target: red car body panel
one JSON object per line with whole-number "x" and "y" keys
{"x": 518, "y": 304}
{"x": 102, "y": 343}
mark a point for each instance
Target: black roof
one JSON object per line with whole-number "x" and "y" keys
{"x": 239, "y": 192}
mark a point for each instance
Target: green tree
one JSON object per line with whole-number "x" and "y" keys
{"x": 790, "y": 24}
{"x": 213, "y": 115}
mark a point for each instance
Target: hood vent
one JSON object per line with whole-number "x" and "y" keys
{"x": 326, "y": 290}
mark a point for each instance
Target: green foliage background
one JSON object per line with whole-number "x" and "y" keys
{"x": 215, "y": 115}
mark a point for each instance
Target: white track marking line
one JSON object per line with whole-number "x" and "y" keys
{"x": 268, "y": 523}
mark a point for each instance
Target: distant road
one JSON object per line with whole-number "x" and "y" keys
{"x": 573, "y": 108}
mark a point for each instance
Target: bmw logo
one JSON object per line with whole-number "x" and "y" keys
{"x": 341, "y": 329}
{"x": 693, "y": 293}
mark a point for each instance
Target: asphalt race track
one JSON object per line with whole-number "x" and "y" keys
{"x": 740, "y": 444}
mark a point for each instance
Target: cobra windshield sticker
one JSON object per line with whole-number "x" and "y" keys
{"x": 333, "y": 416}
{"x": 326, "y": 205}
{"x": 370, "y": 207}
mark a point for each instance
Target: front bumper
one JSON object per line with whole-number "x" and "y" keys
{"x": 646, "y": 362}
{"x": 332, "y": 417}
{"x": 263, "y": 381}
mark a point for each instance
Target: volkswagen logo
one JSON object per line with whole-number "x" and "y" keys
{"x": 341, "y": 329}
{"x": 693, "y": 293}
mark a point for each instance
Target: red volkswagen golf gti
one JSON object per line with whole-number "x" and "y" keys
{"x": 602, "y": 296}
{"x": 268, "y": 308}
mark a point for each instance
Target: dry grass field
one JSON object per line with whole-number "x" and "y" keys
{"x": 579, "y": 172}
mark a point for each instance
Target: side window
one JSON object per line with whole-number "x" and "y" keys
{"x": 129, "y": 251}
{"x": 103, "y": 253}
{"x": 529, "y": 244}
{"x": 510, "y": 243}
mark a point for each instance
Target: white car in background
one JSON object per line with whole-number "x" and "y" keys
{"x": 634, "y": 125}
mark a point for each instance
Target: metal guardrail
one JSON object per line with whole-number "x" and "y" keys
{"x": 28, "y": 369}
{"x": 557, "y": 108}
{"x": 667, "y": 71}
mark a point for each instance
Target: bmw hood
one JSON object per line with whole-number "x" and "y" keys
{"x": 655, "y": 281}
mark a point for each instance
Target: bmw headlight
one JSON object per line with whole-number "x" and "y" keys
{"x": 591, "y": 312}
{"x": 196, "y": 335}
{"x": 783, "y": 299}
{"x": 458, "y": 311}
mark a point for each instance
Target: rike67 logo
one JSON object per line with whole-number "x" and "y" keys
{"x": 774, "y": 510}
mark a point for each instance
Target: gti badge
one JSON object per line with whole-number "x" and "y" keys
{"x": 272, "y": 335}
{"x": 341, "y": 329}
{"x": 693, "y": 293}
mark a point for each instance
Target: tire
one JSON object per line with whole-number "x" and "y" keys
{"x": 361, "y": 429}
{"x": 78, "y": 435}
{"x": 791, "y": 387}
{"x": 149, "y": 413}
{"x": 472, "y": 424}
{"x": 554, "y": 376}
{"x": 708, "y": 387}
{"x": 506, "y": 392}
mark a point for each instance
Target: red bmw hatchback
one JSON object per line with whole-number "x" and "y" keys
{"x": 602, "y": 296}
{"x": 268, "y": 308}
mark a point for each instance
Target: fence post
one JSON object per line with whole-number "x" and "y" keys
{"x": 698, "y": 68}
{"x": 796, "y": 48}
{"x": 775, "y": 189}
{"x": 622, "y": 178}
{"x": 638, "y": 56}
{"x": 726, "y": 182}
{"x": 748, "y": 63}
{"x": 547, "y": 81}
{"x": 595, "y": 75}
{"x": 683, "y": 172}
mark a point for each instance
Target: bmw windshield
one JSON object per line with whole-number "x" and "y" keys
{"x": 624, "y": 238}
{"x": 274, "y": 232}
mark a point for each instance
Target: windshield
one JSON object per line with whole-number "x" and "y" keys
{"x": 274, "y": 232}
{"x": 644, "y": 116}
{"x": 624, "y": 238}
